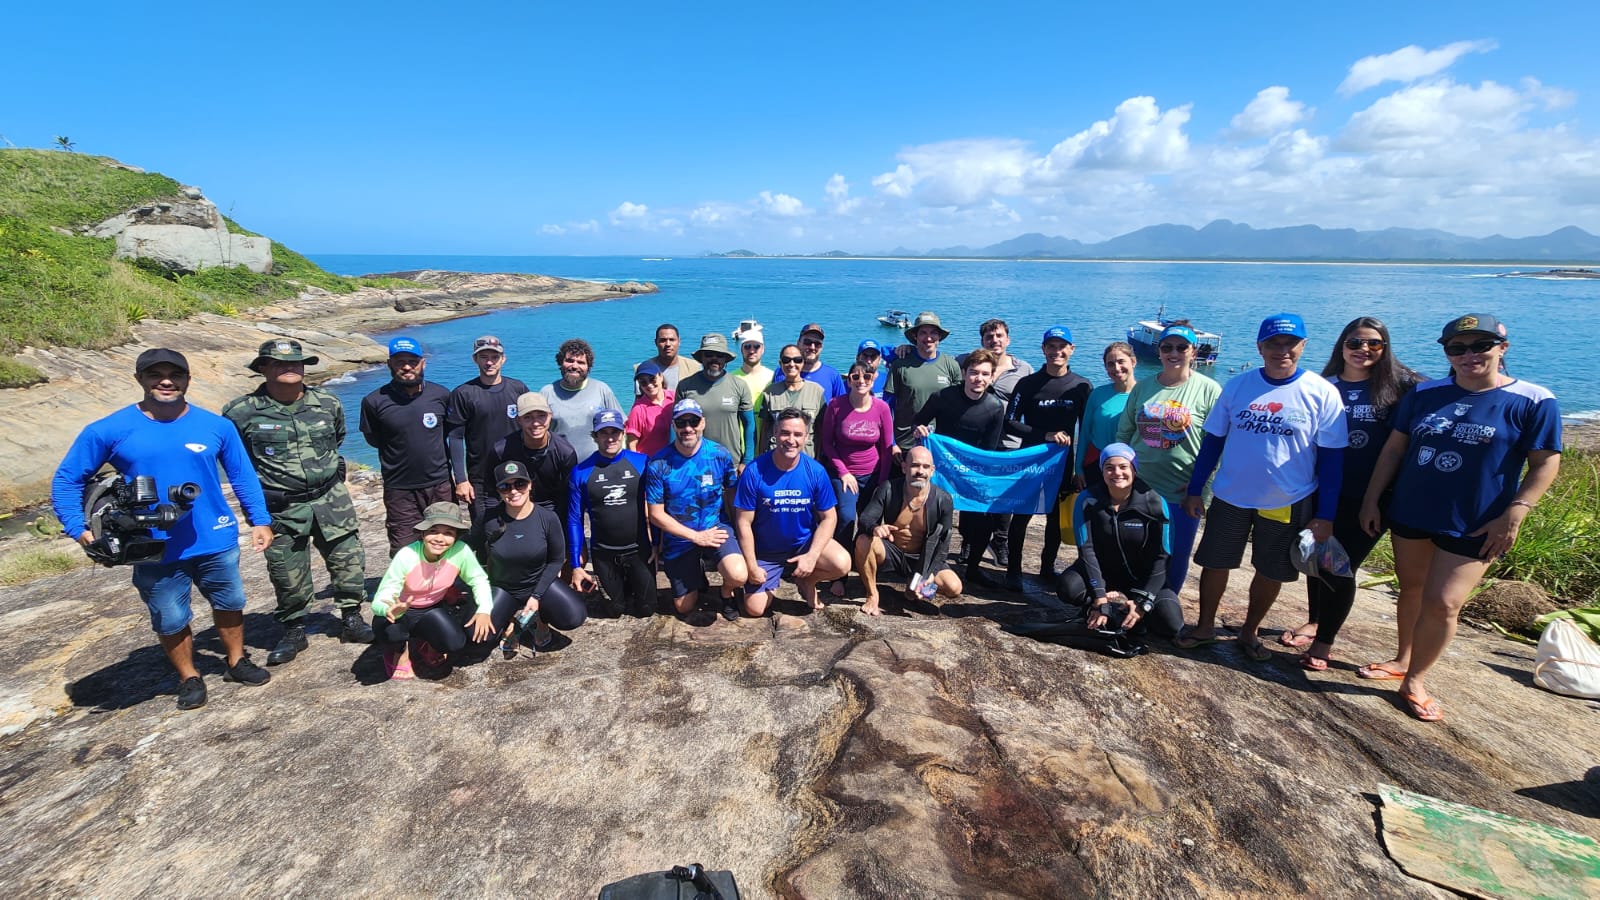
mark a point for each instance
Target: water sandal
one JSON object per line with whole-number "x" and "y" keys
{"x": 1255, "y": 651}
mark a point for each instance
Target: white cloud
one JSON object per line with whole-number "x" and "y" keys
{"x": 781, "y": 205}
{"x": 1407, "y": 64}
{"x": 838, "y": 192}
{"x": 1433, "y": 113}
{"x": 1293, "y": 151}
{"x": 1269, "y": 113}
{"x": 555, "y": 230}
{"x": 629, "y": 212}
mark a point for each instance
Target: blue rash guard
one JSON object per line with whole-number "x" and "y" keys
{"x": 186, "y": 449}
{"x": 611, "y": 492}
{"x": 691, "y": 489}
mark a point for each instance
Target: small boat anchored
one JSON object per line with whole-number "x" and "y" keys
{"x": 895, "y": 318}
{"x": 744, "y": 325}
{"x": 1145, "y": 335}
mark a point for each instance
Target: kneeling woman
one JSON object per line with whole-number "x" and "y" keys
{"x": 527, "y": 548}
{"x": 1120, "y": 577}
{"x": 417, "y": 598}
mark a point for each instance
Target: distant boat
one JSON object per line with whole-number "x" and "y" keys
{"x": 744, "y": 326}
{"x": 1147, "y": 334}
{"x": 656, "y": 259}
{"x": 895, "y": 318}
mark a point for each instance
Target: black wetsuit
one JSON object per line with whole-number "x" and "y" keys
{"x": 1044, "y": 404}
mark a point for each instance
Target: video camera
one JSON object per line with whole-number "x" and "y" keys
{"x": 1118, "y": 641}
{"x": 122, "y": 515}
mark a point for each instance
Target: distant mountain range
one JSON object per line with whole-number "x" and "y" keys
{"x": 1223, "y": 239}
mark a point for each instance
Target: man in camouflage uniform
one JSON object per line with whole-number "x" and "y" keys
{"x": 293, "y": 433}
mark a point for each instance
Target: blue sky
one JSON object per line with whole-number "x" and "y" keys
{"x": 537, "y": 128}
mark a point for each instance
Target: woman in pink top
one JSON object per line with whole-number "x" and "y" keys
{"x": 649, "y": 425}
{"x": 856, "y": 439}
{"x": 418, "y": 598}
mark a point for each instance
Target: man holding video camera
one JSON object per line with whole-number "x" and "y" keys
{"x": 165, "y": 439}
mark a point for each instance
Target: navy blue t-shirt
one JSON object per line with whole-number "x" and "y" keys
{"x": 1467, "y": 451}
{"x": 1368, "y": 426}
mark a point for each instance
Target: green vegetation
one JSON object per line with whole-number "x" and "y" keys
{"x": 38, "y": 560}
{"x": 1558, "y": 547}
{"x": 58, "y": 288}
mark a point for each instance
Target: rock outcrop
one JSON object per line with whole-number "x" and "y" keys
{"x": 184, "y": 236}
{"x": 818, "y": 755}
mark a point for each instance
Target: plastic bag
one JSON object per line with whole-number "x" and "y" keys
{"x": 1567, "y": 662}
{"x": 1316, "y": 560}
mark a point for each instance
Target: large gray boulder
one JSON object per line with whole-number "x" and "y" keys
{"x": 184, "y": 236}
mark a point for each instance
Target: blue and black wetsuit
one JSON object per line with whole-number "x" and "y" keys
{"x": 610, "y": 491}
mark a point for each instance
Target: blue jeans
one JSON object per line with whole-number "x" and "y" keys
{"x": 164, "y": 587}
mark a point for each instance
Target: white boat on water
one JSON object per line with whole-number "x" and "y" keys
{"x": 744, "y": 325}
{"x": 895, "y": 318}
{"x": 1146, "y": 334}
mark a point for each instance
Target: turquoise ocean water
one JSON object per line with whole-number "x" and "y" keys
{"x": 1098, "y": 301}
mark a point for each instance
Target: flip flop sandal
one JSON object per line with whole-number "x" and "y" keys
{"x": 1255, "y": 651}
{"x": 1427, "y": 710}
{"x": 1190, "y": 642}
{"x": 1313, "y": 663}
{"x": 1295, "y": 640}
{"x": 1379, "y": 672}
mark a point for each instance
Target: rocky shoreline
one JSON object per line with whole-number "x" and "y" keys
{"x": 87, "y": 384}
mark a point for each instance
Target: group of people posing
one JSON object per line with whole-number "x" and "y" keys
{"x": 508, "y": 509}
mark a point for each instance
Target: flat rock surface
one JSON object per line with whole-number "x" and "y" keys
{"x": 816, "y": 754}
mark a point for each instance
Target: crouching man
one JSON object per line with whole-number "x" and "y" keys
{"x": 904, "y": 531}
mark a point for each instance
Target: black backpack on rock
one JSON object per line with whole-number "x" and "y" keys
{"x": 691, "y": 882}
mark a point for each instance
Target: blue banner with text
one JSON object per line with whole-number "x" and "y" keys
{"x": 1013, "y": 481}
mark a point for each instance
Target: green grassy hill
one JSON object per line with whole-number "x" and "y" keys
{"x": 58, "y": 289}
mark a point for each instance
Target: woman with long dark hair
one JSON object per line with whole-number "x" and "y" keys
{"x": 1456, "y": 456}
{"x": 1370, "y": 381}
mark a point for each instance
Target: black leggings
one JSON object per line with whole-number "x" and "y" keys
{"x": 1047, "y": 554}
{"x": 1331, "y": 596}
{"x": 1164, "y": 619}
{"x": 442, "y": 627}
{"x": 560, "y": 607}
{"x": 627, "y": 580}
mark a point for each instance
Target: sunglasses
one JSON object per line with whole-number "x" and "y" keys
{"x": 1481, "y": 346}
{"x": 686, "y": 422}
{"x": 1358, "y": 343}
{"x": 515, "y": 486}
{"x": 1173, "y": 348}
{"x": 791, "y": 360}
{"x": 810, "y": 342}
{"x": 860, "y": 376}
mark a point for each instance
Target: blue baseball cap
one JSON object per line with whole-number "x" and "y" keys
{"x": 687, "y": 407}
{"x": 1180, "y": 331}
{"x": 1119, "y": 451}
{"x": 1056, "y": 333}
{"x": 868, "y": 344}
{"x": 1281, "y": 323}
{"x": 608, "y": 418}
{"x": 404, "y": 345}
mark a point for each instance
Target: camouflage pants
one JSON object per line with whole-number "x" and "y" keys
{"x": 289, "y": 564}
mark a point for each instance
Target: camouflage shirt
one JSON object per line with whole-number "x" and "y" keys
{"x": 295, "y": 449}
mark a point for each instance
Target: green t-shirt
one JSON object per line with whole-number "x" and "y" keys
{"x": 724, "y": 403}
{"x": 758, "y": 379}
{"x": 1165, "y": 427}
{"x": 912, "y": 383}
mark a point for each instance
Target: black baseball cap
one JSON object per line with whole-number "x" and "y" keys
{"x": 158, "y": 356}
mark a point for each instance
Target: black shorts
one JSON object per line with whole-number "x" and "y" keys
{"x": 1470, "y": 547}
{"x": 1229, "y": 528}
{"x": 901, "y": 564}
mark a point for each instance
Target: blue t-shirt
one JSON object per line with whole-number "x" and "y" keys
{"x": 691, "y": 489}
{"x": 785, "y": 504}
{"x": 1464, "y": 463}
{"x": 186, "y": 449}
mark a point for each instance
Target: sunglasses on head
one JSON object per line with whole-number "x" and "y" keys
{"x": 686, "y": 422}
{"x": 1479, "y": 346}
{"x": 1358, "y": 343}
{"x": 791, "y": 360}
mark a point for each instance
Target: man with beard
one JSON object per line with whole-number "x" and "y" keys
{"x": 904, "y": 531}
{"x": 915, "y": 377}
{"x": 575, "y": 397}
{"x": 687, "y": 490}
{"x": 405, "y": 421}
{"x": 548, "y": 456}
{"x": 482, "y": 411}
{"x": 725, "y": 400}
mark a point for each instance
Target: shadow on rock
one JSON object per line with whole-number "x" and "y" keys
{"x": 1581, "y": 797}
